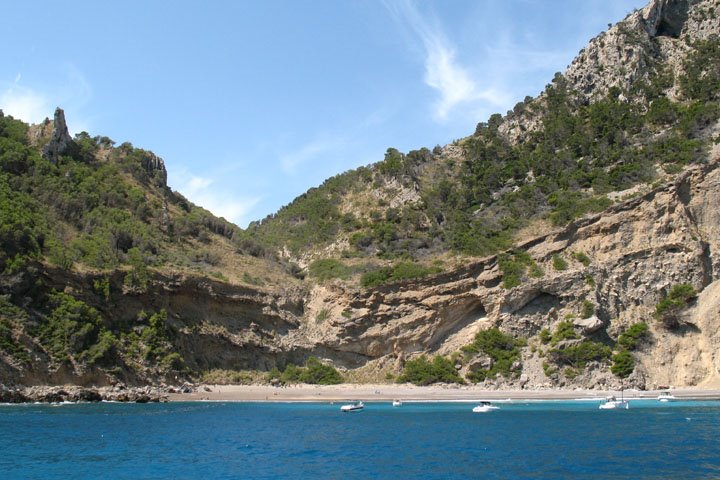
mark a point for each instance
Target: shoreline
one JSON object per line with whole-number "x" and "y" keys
{"x": 325, "y": 394}
{"x": 411, "y": 393}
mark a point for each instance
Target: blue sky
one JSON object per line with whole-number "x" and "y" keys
{"x": 252, "y": 103}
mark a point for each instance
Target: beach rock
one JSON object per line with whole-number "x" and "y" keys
{"x": 85, "y": 395}
{"x": 12, "y": 396}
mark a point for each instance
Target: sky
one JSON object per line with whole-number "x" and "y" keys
{"x": 251, "y": 103}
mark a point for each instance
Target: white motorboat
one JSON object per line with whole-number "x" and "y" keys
{"x": 397, "y": 403}
{"x": 665, "y": 397}
{"x": 485, "y": 407}
{"x": 612, "y": 402}
{"x": 352, "y": 407}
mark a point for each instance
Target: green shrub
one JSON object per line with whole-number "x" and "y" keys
{"x": 582, "y": 258}
{"x": 514, "y": 266}
{"x": 12, "y": 319}
{"x": 101, "y": 286}
{"x": 273, "y": 374}
{"x": 421, "y": 371}
{"x": 74, "y": 329}
{"x": 588, "y": 309}
{"x": 291, "y": 374}
{"x": 559, "y": 263}
{"x": 375, "y": 277}
{"x": 565, "y": 330}
{"x": 101, "y": 349}
{"x": 668, "y": 309}
{"x": 318, "y": 373}
{"x": 156, "y": 337}
{"x": 702, "y": 76}
{"x": 314, "y": 372}
{"x": 577, "y": 356}
{"x": 399, "y": 272}
{"x": 139, "y": 276}
{"x": 623, "y": 364}
{"x": 545, "y": 336}
{"x": 629, "y": 339}
{"x": 502, "y": 348}
{"x": 219, "y": 376}
{"x": 548, "y": 370}
{"x": 327, "y": 269}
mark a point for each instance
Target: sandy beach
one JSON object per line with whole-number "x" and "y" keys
{"x": 409, "y": 393}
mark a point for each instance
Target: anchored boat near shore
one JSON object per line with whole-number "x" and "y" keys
{"x": 485, "y": 407}
{"x": 665, "y": 397}
{"x": 352, "y": 407}
{"x": 612, "y": 403}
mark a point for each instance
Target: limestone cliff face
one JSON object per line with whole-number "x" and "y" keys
{"x": 629, "y": 52}
{"x": 639, "y": 249}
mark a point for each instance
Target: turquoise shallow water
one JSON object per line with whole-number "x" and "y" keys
{"x": 312, "y": 440}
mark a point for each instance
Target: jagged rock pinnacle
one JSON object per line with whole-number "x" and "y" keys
{"x": 60, "y": 140}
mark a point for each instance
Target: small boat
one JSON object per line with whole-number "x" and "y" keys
{"x": 485, "y": 407}
{"x": 612, "y": 402}
{"x": 665, "y": 397}
{"x": 397, "y": 403}
{"x": 352, "y": 407}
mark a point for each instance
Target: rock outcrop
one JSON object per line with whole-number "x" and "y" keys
{"x": 155, "y": 168}
{"x": 628, "y": 53}
{"x": 61, "y": 142}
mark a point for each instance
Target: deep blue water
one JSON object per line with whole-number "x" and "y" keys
{"x": 300, "y": 440}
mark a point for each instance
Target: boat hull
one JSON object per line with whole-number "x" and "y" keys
{"x": 484, "y": 409}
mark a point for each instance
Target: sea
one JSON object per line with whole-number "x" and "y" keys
{"x": 218, "y": 440}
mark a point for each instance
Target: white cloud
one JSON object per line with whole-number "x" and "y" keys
{"x": 25, "y": 104}
{"x": 198, "y": 184}
{"x": 443, "y": 72}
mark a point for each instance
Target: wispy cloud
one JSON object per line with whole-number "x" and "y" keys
{"x": 443, "y": 72}
{"x": 301, "y": 155}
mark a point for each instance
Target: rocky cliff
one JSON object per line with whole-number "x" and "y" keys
{"x": 637, "y": 251}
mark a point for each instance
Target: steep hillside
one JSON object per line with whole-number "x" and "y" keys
{"x": 92, "y": 243}
{"x": 636, "y": 106}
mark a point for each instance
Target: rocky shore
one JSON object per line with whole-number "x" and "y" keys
{"x": 75, "y": 394}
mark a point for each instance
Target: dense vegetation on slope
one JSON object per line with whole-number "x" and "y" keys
{"x": 106, "y": 212}
{"x": 474, "y": 202}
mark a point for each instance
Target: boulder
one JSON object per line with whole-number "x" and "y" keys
{"x": 480, "y": 361}
{"x": 86, "y": 395}
{"x": 588, "y": 325}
